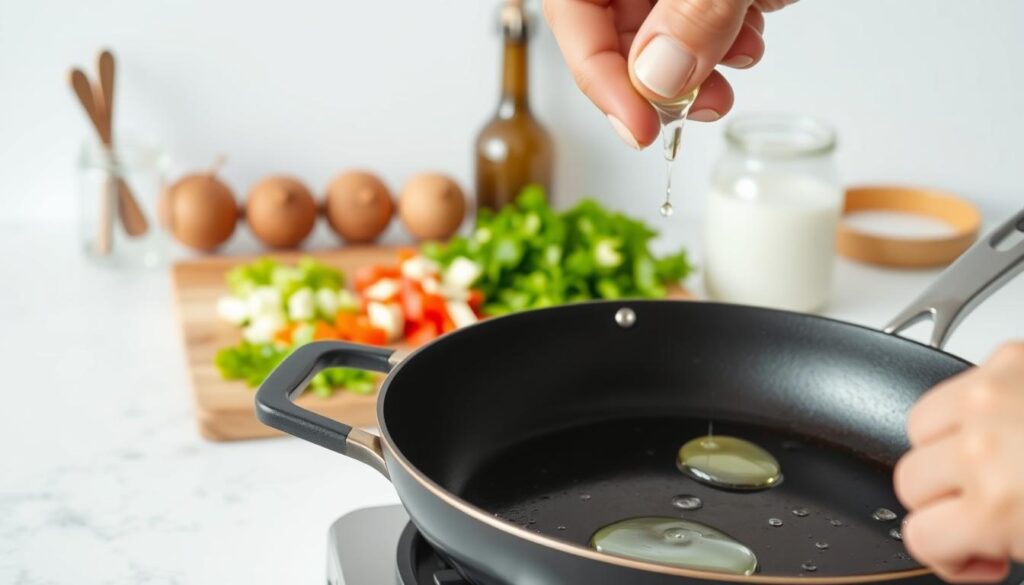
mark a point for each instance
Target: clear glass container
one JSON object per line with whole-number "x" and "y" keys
{"x": 118, "y": 194}
{"x": 772, "y": 213}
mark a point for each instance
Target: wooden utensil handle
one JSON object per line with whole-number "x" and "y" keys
{"x": 105, "y": 225}
{"x": 132, "y": 217}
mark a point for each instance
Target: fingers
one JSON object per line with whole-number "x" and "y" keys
{"x": 980, "y": 571}
{"x": 945, "y": 536}
{"x": 755, "y": 19}
{"x": 590, "y": 41}
{"x": 929, "y": 473}
{"x": 937, "y": 413}
{"x": 680, "y": 43}
{"x": 714, "y": 100}
{"x": 746, "y": 50}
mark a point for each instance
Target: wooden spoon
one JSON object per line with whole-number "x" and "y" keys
{"x": 128, "y": 209}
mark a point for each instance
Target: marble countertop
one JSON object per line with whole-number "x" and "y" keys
{"x": 106, "y": 480}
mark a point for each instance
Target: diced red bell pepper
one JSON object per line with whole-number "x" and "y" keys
{"x": 412, "y": 301}
{"x": 422, "y": 332}
{"x": 367, "y": 333}
{"x": 435, "y": 311}
{"x": 368, "y": 275}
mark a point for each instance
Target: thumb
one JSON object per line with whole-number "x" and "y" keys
{"x": 680, "y": 43}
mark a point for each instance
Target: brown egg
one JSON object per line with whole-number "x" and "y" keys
{"x": 281, "y": 211}
{"x": 200, "y": 211}
{"x": 431, "y": 206}
{"x": 358, "y": 206}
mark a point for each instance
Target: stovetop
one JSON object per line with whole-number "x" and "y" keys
{"x": 380, "y": 546}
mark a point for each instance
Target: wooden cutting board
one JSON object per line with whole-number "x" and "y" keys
{"x": 224, "y": 409}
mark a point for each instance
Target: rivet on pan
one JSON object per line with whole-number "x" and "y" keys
{"x": 625, "y": 317}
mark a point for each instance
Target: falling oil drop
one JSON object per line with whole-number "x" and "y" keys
{"x": 729, "y": 462}
{"x": 561, "y": 528}
{"x": 835, "y": 522}
{"x": 687, "y": 502}
{"x": 585, "y": 497}
{"x": 884, "y": 515}
{"x": 775, "y": 522}
{"x": 896, "y": 533}
{"x": 675, "y": 542}
{"x": 672, "y": 116}
{"x": 800, "y": 512}
{"x": 821, "y": 545}
{"x": 809, "y": 567}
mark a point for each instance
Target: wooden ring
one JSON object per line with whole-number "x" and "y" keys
{"x": 916, "y": 252}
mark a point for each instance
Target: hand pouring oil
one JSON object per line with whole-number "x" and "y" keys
{"x": 672, "y": 115}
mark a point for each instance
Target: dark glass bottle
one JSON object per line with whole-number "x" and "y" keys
{"x": 513, "y": 149}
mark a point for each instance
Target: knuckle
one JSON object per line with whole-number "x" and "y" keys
{"x": 977, "y": 445}
{"x": 584, "y": 77}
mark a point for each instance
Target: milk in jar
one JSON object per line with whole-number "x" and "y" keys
{"x": 772, "y": 214}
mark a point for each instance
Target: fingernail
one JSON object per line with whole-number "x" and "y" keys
{"x": 705, "y": 115}
{"x": 664, "y": 66}
{"x": 623, "y": 132}
{"x": 738, "y": 61}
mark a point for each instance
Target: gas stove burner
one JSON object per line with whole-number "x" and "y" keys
{"x": 379, "y": 546}
{"x": 419, "y": 563}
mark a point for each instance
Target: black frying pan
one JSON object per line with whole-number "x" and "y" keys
{"x": 510, "y": 442}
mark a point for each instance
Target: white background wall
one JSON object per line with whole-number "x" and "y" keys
{"x": 922, "y": 91}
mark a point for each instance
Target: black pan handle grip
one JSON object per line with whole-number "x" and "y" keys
{"x": 980, "y": 271}
{"x": 275, "y": 407}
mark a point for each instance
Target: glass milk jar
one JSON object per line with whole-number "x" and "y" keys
{"x": 772, "y": 213}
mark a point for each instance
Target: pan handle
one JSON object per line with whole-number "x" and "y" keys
{"x": 975, "y": 275}
{"x": 275, "y": 407}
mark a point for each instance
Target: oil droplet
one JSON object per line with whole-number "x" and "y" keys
{"x": 675, "y": 542}
{"x": 896, "y": 533}
{"x": 775, "y": 522}
{"x": 821, "y": 545}
{"x": 835, "y": 522}
{"x": 531, "y": 521}
{"x": 809, "y": 567}
{"x": 884, "y": 515}
{"x": 687, "y": 502}
{"x": 800, "y": 512}
{"x": 561, "y": 528}
{"x": 666, "y": 209}
{"x": 672, "y": 115}
{"x": 585, "y": 497}
{"x": 902, "y": 556}
{"x": 729, "y": 462}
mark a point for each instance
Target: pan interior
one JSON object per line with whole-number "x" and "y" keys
{"x": 570, "y": 483}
